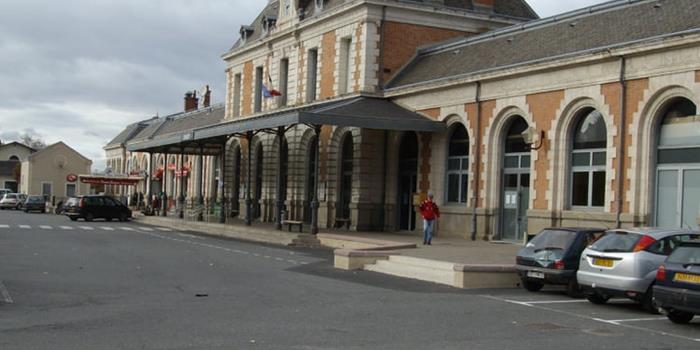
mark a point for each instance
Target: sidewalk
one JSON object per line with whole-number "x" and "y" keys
{"x": 452, "y": 261}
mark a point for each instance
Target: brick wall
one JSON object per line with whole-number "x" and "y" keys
{"x": 544, "y": 108}
{"x": 327, "y": 62}
{"x": 247, "y": 94}
{"x": 401, "y": 41}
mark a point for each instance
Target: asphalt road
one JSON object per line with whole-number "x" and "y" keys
{"x": 111, "y": 285}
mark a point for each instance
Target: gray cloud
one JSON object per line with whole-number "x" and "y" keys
{"x": 78, "y": 71}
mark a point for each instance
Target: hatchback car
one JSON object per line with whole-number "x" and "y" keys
{"x": 677, "y": 288}
{"x": 34, "y": 203}
{"x": 552, "y": 257}
{"x": 11, "y": 201}
{"x": 624, "y": 262}
{"x": 96, "y": 206}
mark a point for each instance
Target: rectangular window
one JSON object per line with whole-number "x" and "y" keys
{"x": 311, "y": 66}
{"x": 257, "y": 107}
{"x": 70, "y": 190}
{"x": 344, "y": 66}
{"x": 47, "y": 190}
{"x": 284, "y": 79}
{"x": 236, "y": 95}
{"x": 579, "y": 192}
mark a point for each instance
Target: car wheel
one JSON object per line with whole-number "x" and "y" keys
{"x": 122, "y": 217}
{"x": 680, "y": 317}
{"x": 108, "y": 219}
{"x": 532, "y": 286}
{"x": 26, "y": 211}
{"x": 573, "y": 289}
{"x": 89, "y": 217}
{"x": 649, "y": 303}
{"x": 43, "y": 211}
{"x": 598, "y": 299}
{"x": 73, "y": 218}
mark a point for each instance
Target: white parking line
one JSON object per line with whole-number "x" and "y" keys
{"x": 4, "y": 226}
{"x": 46, "y": 227}
{"x": 5, "y": 294}
{"x": 106, "y": 228}
{"x": 618, "y": 323}
{"x": 145, "y": 229}
{"x": 638, "y": 319}
{"x": 558, "y": 301}
{"x": 126, "y": 228}
{"x": 66, "y": 227}
{"x": 24, "y": 226}
{"x": 163, "y": 229}
{"x": 189, "y": 236}
{"x": 86, "y": 228}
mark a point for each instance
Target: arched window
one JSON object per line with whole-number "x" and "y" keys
{"x": 346, "y": 166}
{"x": 588, "y": 160}
{"x": 258, "y": 180}
{"x": 310, "y": 178}
{"x": 458, "y": 165}
{"x": 15, "y": 158}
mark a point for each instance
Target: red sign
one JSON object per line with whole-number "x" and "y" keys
{"x": 105, "y": 180}
{"x": 71, "y": 178}
{"x": 158, "y": 175}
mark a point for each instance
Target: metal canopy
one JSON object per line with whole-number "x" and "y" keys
{"x": 362, "y": 112}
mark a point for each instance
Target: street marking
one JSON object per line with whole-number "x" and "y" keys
{"x": 106, "y": 228}
{"x": 145, "y": 229}
{"x": 572, "y": 314}
{"x": 4, "y": 226}
{"x": 86, "y": 227}
{"x": 66, "y": 227}
{"x": 639, "y": 319}
{"x": 189, "y": 236}
{"x": 126, "y": 228}
{"x": 46, "y": 227}
{"x": 558, "y": 301}
{"x": 24, "y": 226}
{"x": 5, "y": 294}
{"x": 163, "y": 229}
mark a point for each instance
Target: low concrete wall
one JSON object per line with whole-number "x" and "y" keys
{"x": 246, "y": 233}
{"x": 486, "y": 276}
{"x": 347, "y": 259}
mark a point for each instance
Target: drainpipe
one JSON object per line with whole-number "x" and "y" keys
{"x": 384, "y": 177}
{"x": 380, "y": 73}
{"x": 477, "y": 160}
{"x": 621, "y": 147}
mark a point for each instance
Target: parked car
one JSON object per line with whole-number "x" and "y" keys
{"x": 552, "y": 257}
{"x": 624, "y": 262}
{"x": 35, "y": 203}
{"x": 11, "y": 201}
{"x": 4, "y": 191}
{"x": 677, "y": 288}
{"x": 96, "y": 206}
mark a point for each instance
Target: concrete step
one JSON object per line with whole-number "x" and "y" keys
{"x": 421, "y": 262}
{"x": 306, "y": 241}
{"x": 426, "y": 272}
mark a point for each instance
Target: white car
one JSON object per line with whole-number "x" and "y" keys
{"x": 11, "y": 201}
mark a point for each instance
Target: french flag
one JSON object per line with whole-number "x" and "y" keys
{"x": 267, "y": 93}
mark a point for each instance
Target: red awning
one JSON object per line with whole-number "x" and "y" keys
{"x": 107, "y": 180}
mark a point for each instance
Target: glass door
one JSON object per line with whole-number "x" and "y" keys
{"x": 678, "y": 197}
{"x": 515, "y": 199}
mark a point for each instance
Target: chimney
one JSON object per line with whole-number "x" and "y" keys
{"x": 483, "y": 5}
{"x": 191, "y": 101}
{"x": 207, "y": 97}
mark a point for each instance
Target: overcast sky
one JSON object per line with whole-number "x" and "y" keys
{"x": 78, "y": 71}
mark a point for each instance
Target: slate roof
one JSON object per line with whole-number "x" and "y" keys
{"x": 129, "y": 132}
{"x": 192, "y": 120}
{"x": 31, "y": 150}
{"x": 616, "y": 23}
{"x": 509, "y": 8}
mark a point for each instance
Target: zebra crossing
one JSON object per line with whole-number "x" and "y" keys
{"x": 5, "y": 227}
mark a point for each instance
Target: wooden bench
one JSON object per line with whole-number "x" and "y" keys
{"x": 340, "y": 222}
{"x": 291, "y": 223}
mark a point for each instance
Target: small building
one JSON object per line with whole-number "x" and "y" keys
{"x": 11, "y": 155}
{"x": 53, "y": 173}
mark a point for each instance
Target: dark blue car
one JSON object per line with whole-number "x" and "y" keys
{"x": 552, "y": 257}
{"x": 677, "y": 288}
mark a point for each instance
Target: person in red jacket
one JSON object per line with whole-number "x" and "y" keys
{"x": 430, "y": 212}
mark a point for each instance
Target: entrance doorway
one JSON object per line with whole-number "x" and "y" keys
{"x": 515, "y": 188}
{"x": 346, "y": 166}
{"x": 310, "y": 179}
{"x": 408, "y": 176}
{"x": 678, "y": 167}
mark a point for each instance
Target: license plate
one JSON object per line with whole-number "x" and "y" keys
{"x": 603, "y": 262}
{"x": 688, "y": 278}
{"x": 535, "y": 274}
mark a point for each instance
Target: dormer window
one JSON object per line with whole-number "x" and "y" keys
{"x": 246, "y": 32}
{"x": 268, "y": 23}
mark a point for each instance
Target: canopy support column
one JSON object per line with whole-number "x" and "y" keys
{"x": 248, "y": 202}
{"x": 200, "y": 185}
{"x": 280, "y": 201}
{"x": 222, "y": 183}
{"x": 149, "y": 178}
{"x": 181, "y": 198}
{"x": 164, "y": 194}
{"x": 314, "y": 201}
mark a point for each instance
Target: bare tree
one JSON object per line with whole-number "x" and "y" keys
{"x": 32, "y": 141}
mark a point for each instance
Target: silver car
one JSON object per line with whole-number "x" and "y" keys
{"x": 623, "y": 263}
{"x": 10, "y": 201}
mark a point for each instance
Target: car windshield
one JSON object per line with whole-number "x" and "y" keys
{"x": 36, "y": 199}
{"x": 618, "y": 241}
{"x": 10, "y": 196}
{"x": 552, "y": 240}
{"x": 685, "y": 255}
{"x": 72, "y": 201}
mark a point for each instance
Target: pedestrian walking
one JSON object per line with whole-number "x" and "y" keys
{"x": 430, "y": 212}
